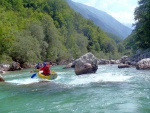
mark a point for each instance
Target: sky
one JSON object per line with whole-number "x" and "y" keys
{"x": 121, "y": 10}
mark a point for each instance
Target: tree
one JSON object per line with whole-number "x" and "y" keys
{"x": 48, "y": 30}
{"x": 25, "y": 48}
{"x": 142, "y": 25}
{"x": 6, "y": 30}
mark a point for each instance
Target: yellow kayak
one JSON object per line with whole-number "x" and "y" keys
{"x": 49, "y": 77}
{"x": 36, "y": 70}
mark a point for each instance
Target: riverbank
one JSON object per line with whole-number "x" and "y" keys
{"x": 138, "y": 60}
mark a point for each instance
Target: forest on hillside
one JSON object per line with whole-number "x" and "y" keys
{"x": 139, "y": 40}
{"x": 49, "y": 30}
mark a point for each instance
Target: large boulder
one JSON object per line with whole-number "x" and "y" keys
{"x": 4, "y": 67}
{"x": 143, "y": 64}
{"x": 2, "y": 71}
{"x": 86, "y": 64}
{"x": 15, "y": 66}
{"x": 1, "y": 79}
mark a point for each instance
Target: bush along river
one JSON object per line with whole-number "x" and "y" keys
{"x": 109, "y": 90}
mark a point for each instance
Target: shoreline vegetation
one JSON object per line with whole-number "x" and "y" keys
{"x": 35, "y": 31}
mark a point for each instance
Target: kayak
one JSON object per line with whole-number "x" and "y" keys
{"x": 52, "y": 76}
{"x": 36, "y": 70}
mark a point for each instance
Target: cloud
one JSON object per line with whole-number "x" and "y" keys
{"x": 123, "y": 17}
{"x": 122, "y": 10}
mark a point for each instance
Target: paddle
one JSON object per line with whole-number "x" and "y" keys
{"x": 33, "y": 75}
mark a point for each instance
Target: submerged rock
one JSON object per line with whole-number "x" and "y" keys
{"x": 68, "y": 66}
{"x": 86, "y": 64}
{"x": 1, "y": 79}
{"x": 123, "y": 66}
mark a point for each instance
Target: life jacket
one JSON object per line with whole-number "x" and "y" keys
{"x": 46, "y": 70}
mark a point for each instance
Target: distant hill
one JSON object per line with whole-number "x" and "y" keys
{"x": 101, "y": 19}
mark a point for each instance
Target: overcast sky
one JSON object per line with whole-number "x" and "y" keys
{"x": 121, "y": 10}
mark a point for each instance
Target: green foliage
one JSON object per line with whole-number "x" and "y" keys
{"x": 6, "y": 30}
{"x": 114, "y": 37}
{"x": 128, "y": 46}
{"x": 121, "y": 48}
{"x": 49, "y": 30}
{"x": 25, "y": 48}
{"x": 142, "y": 28}
{"x": 140, "y": 37}
{"x": 4, "y": 58}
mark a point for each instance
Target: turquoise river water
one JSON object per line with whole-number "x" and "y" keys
{"x": 109, "y": 90}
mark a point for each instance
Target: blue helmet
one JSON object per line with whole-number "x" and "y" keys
{"x": 44, "y": 64}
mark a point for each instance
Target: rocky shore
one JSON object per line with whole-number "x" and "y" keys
{"x": 88, "y": 63}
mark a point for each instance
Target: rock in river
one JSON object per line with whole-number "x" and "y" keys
{"x": 86, "y": 64}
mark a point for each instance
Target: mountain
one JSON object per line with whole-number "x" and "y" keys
{"x": 49, "y": 30}
{"x": 101, "y": 19}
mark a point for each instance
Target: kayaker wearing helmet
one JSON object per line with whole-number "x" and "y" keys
{"x": 45, "y": 69}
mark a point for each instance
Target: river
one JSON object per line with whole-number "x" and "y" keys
{"x": 109, "y": 90}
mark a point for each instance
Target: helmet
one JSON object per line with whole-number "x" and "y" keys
{"x": 44, "y": 64}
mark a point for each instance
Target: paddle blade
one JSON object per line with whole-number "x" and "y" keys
{"x": 33, "y": 75}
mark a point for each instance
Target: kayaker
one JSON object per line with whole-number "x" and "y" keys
{"x": 37, "y": 66}
{"x": 45, "y": 69}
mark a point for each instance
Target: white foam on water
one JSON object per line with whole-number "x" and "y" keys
{"x": 107, "y": 77}
{"x": 24, "y": 81}
{"x": 14, "y": 75}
